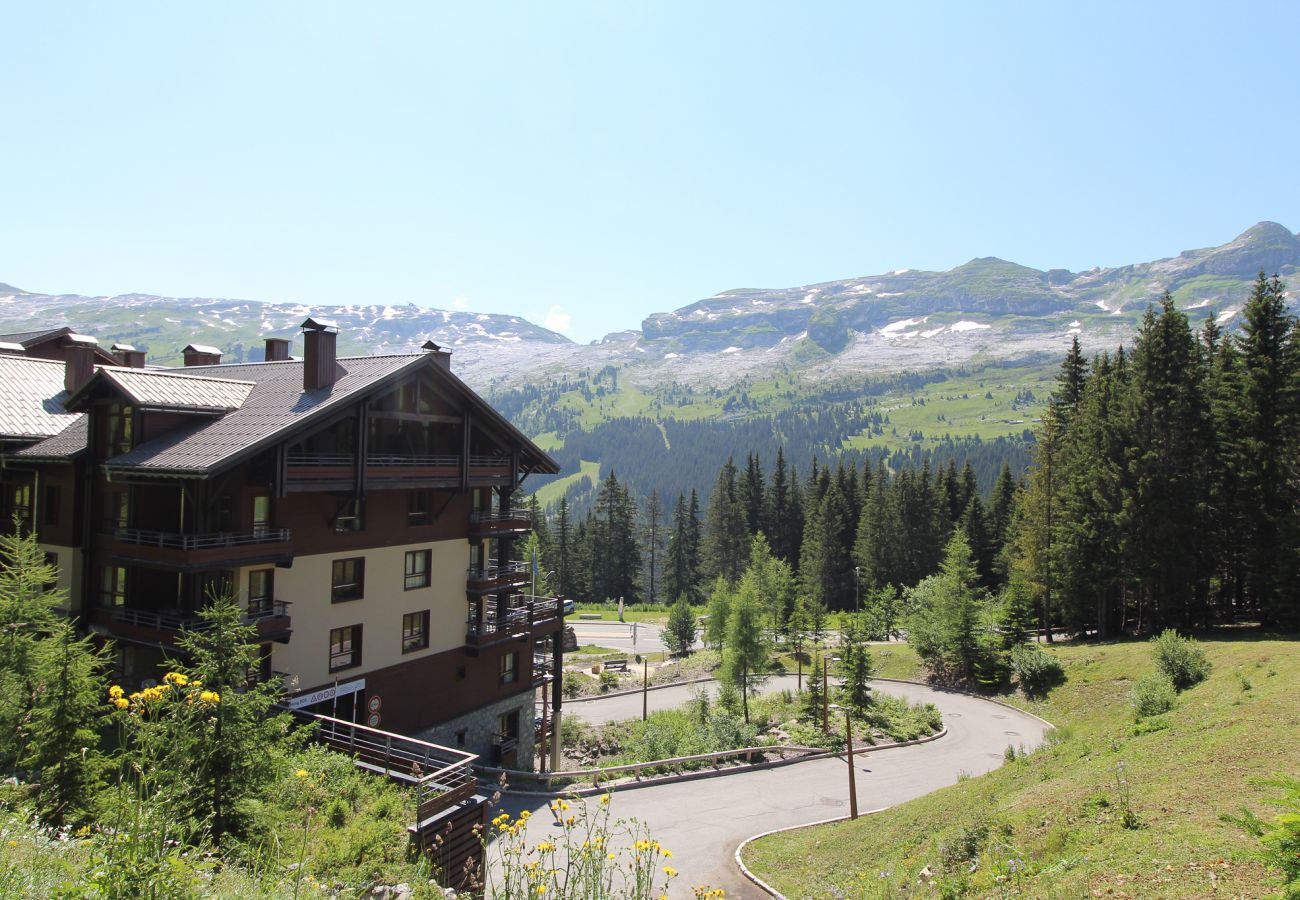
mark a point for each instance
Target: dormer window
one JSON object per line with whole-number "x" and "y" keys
{"x": 121, "y": 437}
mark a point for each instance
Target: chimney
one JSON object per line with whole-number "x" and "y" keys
{"x": 320, "y": 339}
{"x": 201, "y": 355}
{"x": 79, "y": 365}
{"x": 441, "y": 356}
{"x": 128, "y": 356}
{"x": 277, "y": 349}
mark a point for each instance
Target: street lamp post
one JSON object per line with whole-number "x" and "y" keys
{"x": 645, "y": 688}
{"x": 826, "y": 691}
{"x": 857, "y": 589}
{"x": 848, "y": 738}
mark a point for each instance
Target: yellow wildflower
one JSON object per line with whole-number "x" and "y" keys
{"x": 176, "y": 678}
{"x": 115, "y": 692}
{"x": 210, "y": 697}
{"x": 121, "y": 703}
{"x": 610, "y": 857}
{"x": 301, "y": 773}
{"x": 604, "y": 800}
{"x": 545, "y": 847}
{"x": 670, "y": 871}
{"x": 668, "y": 854}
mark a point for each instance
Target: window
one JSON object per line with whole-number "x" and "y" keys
{"x": 349, "y": 579}
{"x": 418, "y": 511}
{"x": 120, "y": 429}
{"x": 417, "y": 568}
{"x": 415, "y": 631}
{"x": 114, "y": 586}
{"x": 261, "y": 591}
{"x": 460, "y": 737}
{"x": 21, "y": 502}
{"x": 117, "y": 510}
{"x": 508, "y": 726}
{"x": 345, "y": 647}
{"x": 509, "y": 668}
{"x": 350, "y": 517}
{"x": 52, "y": 499}
{"x": 261, "y": 515}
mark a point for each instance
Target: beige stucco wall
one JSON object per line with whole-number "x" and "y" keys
{"x": 306, "y": 586}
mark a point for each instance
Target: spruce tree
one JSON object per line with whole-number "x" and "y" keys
{"x": 652, "y": 532}
{"x": 747, "y": 652}
{"x": 726, "y": 540}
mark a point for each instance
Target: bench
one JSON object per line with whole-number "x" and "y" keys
{"x": 615, "y": 665}
{"x": 595, "y": 616}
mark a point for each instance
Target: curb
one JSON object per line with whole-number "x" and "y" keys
{"x": 763, "y": 885}
{"x": 773, "y": 892}
{"x": 716, "y": 773}
{"x": 993, "y": 700}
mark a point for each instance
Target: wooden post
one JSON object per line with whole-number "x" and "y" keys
{"x": 645, "y": 688}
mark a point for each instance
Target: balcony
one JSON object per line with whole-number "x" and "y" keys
{"x": 312, "y": 471}
{"x": 500, "y": 522}
{"x": 269, "y": 617}
{"x": 523, "y": 615}
{"x": 495, "y": 578}
{"x": 197, "y": 551}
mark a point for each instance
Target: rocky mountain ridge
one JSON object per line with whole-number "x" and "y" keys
{"x": 985, "y": 310}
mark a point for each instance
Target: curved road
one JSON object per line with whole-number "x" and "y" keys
{"x": 703, "y": 821}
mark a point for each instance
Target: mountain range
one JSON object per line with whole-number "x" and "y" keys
{"x": 987, "y": 310}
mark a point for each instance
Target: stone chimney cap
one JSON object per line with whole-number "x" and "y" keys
{"x": 83, "y": 339}
{"x": 314, "y": 324}
{"x": 124, "y": 348}
{"x": 201, "y": 348}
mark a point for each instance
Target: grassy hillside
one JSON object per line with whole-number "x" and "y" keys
{"x": 1051, "y": 824}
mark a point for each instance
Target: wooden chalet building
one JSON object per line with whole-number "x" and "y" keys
{"x": 362, "y": 510}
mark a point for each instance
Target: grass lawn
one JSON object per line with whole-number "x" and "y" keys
{"x": 608, "y": 612}
{"x": 1052, "y": 823}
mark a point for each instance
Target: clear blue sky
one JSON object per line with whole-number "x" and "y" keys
{"x": 604, "y": 161}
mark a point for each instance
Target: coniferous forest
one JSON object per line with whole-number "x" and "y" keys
{"x": 1161, "y": 492}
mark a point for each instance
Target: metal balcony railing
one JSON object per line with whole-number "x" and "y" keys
{"x": 442, "y": 776}
{"x": 523, "y": 612}
{"x": 144, "y": 537}
{"x": 506, "y": 516}
{"x": 494, "y": 571}
{"x": 177, "y": 620}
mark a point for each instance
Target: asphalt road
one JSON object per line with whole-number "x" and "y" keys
{"x": 703, "y": 821}
{"x": 618, "y": 635}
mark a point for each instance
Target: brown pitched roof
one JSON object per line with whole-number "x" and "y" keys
{"x": 276, "y": 405}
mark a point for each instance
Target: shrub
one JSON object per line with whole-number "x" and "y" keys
{"x": 1153, "y": 695}
{"x": 1281, "y": 836}
{"x": 1037, "y": 672}
{"x": 1182, "y": 660}
{"x": 608, "y": 680}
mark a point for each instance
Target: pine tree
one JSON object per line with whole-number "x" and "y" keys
{"x": 752, "y": 499}
{"x": 725, "y": 537}
{"x": 1266, "y": 452}
{"x": 616, "y": 560}
{"x": 949, "y": 629}
{"x": 653, "y": 533}
{"x": 747, "y": 653}
{"x": 564, "y": 550}
{"x": 679, "y": 633}
{"x": 771, "y": 581}
{"x": 784, "y": 543}
{"x": 63, "y": 753}
{"x": 679, "y": 578}
{"x": 857, "y": 666}
{"x": 718, "y": 612}
{"x": 825, "y": 567}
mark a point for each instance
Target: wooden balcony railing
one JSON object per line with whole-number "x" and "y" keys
{"x": 503, "y": 521}
{"x": 442, "y": 776}
{"x": 496, "y": 575}
{"x": 168, "y": 540}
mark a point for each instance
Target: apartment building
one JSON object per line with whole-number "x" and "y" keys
{"x": 363, "y": 510}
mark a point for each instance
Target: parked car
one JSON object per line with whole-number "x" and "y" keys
{"x": 568, "y": 606}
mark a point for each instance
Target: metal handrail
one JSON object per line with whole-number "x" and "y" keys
{"x": 476, "y": 517}
{"x": 144, "y": 537}
{"x": 443, "y": 775}
{"x": 320, "y": 459}
{"x": 493, "y": 570}
{"x": 178, "y": 621}
{"x": 445, "y": 461}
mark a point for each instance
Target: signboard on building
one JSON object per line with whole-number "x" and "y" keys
{"x": 326, "y": 694}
